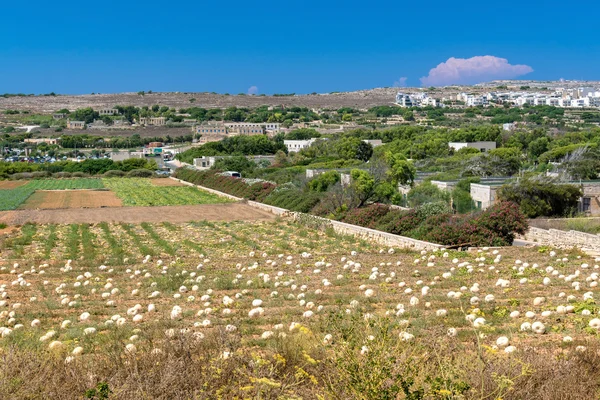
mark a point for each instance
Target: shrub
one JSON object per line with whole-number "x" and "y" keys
{"x": 21, "y": 175}
{"x": 400, "y": 222}
{"x": 257, "y": 191}
{"x": 367, "y": 216}
{"x": 430, "y": 209}
{"x": 542, "y": 197}
{"x": 62, "y": 175}
{"x": 322, "y": 182}
{"x": 140, "y": 173}
{"x": 114, "y": 174}
{"x": 40, "y": 174}
{"x": 80, "y": 175}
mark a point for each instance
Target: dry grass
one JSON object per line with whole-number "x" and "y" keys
{"x": 166, "y": 182}
{"x": 289, "y": 363}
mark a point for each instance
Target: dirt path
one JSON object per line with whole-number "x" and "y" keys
{"x": 207, "y": 212}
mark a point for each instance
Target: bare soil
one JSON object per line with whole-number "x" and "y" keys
{"x": 166, "y": 182}
{"x": 174, "y": 214}
{"x": 59, "y": 199}
{"x": 48, "y": 104}
{"x": 11, "y": 184}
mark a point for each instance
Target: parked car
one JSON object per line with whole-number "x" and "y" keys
{"x": 233, "y": 174}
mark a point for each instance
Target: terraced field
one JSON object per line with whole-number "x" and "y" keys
{"x": 131, "y": 192}
{"x": 274, "y": 310}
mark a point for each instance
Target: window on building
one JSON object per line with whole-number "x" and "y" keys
{"x": 479, "y": 205}
{"x": 586, "y": 204}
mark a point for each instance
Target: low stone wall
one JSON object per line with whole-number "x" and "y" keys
{"x": 384, "y": 238}
{"x": 563, "y": 239}
{"x": 342, "y": 228}
{"x": 231, "y": 197}
{"x": 272, "y": 209}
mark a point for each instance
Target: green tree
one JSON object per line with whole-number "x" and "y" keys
{"x": 363, "y": 185}
{"x": 322, "y": 182}
{"x": 88, "y": 115}
{"x": 426, "y": 193}
{"x": 401, "y": 171}
{"x": 364, "y": 151}
{"x": 238, "y": 163}
{"x": 542, "y": 196}
{"x": 302, "y": 134}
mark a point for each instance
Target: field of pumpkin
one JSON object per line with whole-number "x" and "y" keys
{"x": 274, "y": 310}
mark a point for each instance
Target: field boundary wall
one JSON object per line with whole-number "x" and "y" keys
{"x": 342, "y": 228}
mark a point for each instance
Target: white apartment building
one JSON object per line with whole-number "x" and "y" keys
{"x": 294, "y": 146}
{"x": 405, "y": 100}
{"x": 475, "y": 101}
{"x": 419, "y": 99}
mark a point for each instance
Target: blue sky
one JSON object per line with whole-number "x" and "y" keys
{"x": 283, "y": 47}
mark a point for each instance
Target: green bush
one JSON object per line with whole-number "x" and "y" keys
{"x": 542, "y": 197}
{"x": 114, "y": 173}
{"x": 140, "y": 173}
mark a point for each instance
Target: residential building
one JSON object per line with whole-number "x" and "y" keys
{"x": 374, "y": 142}
{"x": 58, "y": 116}
{"x": 484, "y": 147}
{"x": 207, "y": 162}
{"x": 419, "y": 99}
{"x": 297, "y": 145}
{"x": 244, "y": 128}
{"x": 404, "y": 100}
{"x": 484, "y": 195}
{"x": 590, "y": 201}
{"x": 42, "y": 140}
{"x": 156, "y": 121}
{"x": 75, "y": 124}
{"x": 475, "y": 101}
{"x": 210, "y": 128}
{"x": 272, "y": 127}
{"x": 108, "y": 111}
{"x": 234, "y": 128}
{"x": 509, "y": 126}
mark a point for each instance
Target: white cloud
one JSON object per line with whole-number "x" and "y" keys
{"x": 401, "y": 82}
{"x": 473, "y": 70}
{"x": 253, "y": 90}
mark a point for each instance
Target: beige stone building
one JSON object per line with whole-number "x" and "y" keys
{"x": 75, "y": 124}
{"x": 590, "y": 201}
{"x": 42, "y": 140}
{"x": 154, "y": 121}
{"x": 108, "y": 111}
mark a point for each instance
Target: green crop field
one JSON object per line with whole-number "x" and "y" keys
{"x": 141, "y": 192}
{"x": 133, "y": 192}
{"x": 13, "y": 198}
{"x": 10, "y": 199}
{"x": 65, "y": 184}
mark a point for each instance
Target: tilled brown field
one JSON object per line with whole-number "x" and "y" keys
{"x": 175, "y": 214}
{"x": 166, "y": 182}
{"x": 11, "y": 184}
{"x": 61, "y": 199}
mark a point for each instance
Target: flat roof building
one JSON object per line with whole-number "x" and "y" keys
{"x": 484, "y": 147}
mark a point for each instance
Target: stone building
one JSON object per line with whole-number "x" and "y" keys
{"x": 108, "y": 111}
{"x": 75, "y": 124}
{"x": 155, "y": 121}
